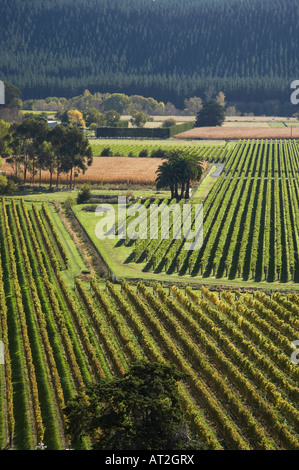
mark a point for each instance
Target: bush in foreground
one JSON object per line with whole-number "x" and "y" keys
{"x": 140, "y": 411}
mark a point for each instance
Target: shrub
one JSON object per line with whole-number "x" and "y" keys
{"x": 70, "y": 201}
{"x": 7, "y": 185}
{"x": 84, "y": 194}
{"x": 158, "y": 153}
{"x": 168, "y": 122}
{"x": 106, "y": 152}
{"x": 143, "y": 153}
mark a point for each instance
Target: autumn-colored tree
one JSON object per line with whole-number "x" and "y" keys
{"x": 220, "y": 98}
{"x": 232, "y": 111}
{"x": 75, "y": 118}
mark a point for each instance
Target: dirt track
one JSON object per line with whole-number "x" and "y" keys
{"x": 232, "y": 133}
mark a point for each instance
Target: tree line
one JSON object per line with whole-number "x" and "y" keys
{"x": 33, "y": 146}
{"x": 99, "y": 105}
{"x": 103, "y": 109}
{"x": 167, "y": 49}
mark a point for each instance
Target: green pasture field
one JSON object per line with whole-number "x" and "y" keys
{"x": 203, "y": 189}
{"x": 292, "y": 124}
{"x": 108, "y": 190}
{"x": 277, "y": 124}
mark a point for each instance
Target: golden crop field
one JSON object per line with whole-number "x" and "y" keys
{"x": 109, "y": 170}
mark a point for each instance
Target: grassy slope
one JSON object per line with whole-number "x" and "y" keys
{"x": 76, "y": 263}
{"x": 62, "y": 196}
{"x": 116, "y": 257}
{"x": 205, "y": 186}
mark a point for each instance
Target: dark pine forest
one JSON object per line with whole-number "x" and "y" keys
{"x": 168, "y": 49}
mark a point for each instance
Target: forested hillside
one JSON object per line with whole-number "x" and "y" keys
{"x": 167, "y": 49}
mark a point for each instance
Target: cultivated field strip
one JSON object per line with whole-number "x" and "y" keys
{"x": 250, "y": 226}
{"x": 240, "y": 389}
{"x": 174, "y": 337}
{"x": 209, "y": 153}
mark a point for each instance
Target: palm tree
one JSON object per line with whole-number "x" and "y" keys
{"x": 167, "y": 178}
{"x": 178, "y": 169}
{"x": 190, "y": 169}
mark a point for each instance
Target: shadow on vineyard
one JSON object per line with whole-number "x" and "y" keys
{"x": 66, "y": 334}
{"x": 259, "y": 267}
{"x": 284, "y": 273}
{"x": 223, "y": 267}
{"x": 247, "y": 272}
{"x": 271, "y": 275}
{"x": 250, "y": 214}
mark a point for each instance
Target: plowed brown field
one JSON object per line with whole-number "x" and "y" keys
{"x": 236, "y": 133}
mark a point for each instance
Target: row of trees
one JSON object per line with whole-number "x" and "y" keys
{"x": 89, "y": 118}
{"x": 210, "y": 113}
{"x": 32, "y": 146}
{"x": 150, "y": 106}
{"x": 93, "y": 118}
{"x": 104, "y": 109}
{"x": 103, "y": 102}
{"x": 100, "y": 110}
{"x": 119, "y": 102}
